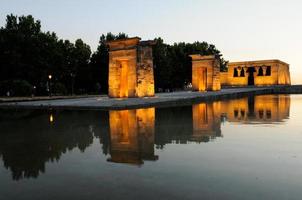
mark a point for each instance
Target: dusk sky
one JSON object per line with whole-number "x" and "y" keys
{"x": 240, "y": 29}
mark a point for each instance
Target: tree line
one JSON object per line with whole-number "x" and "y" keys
{"x": 29, "y": 55}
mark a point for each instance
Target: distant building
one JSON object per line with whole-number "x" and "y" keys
{"x": 258, "y": 73}
{"x": 206, "y": 75}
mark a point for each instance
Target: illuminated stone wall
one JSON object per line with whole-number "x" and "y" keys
{"x": 259, "y": 73}
{"x": 205, "y": 73}
{"x": 145, "y": 77}
{"x": 132, "y": 135}
{"x": 130, "y": 68}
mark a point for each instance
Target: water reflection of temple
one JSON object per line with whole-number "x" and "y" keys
{"x": 132, "y": 136}
{"x": 257, "y": 109}
{"x": 28, "y": 140}
{"x": 206, "y": 121}
{"x": 202, "y": 122}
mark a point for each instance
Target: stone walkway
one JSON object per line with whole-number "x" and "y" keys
{"x": 161, "y": 99}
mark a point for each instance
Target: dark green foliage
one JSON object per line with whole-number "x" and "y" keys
{"x": 100, "y": 61}
{"x": 173, "y": 65}
{"x": 27, "y": 53}
{"x": 16, "y": 88}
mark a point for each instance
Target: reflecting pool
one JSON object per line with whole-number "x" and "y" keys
{"x": 247, "y": 148}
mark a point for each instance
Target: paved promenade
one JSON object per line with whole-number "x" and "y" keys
{"x": 160, "y": 99}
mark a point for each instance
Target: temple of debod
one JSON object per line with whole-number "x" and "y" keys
{"x": 206, "y": 75}
{"x": 258, "y": 73}
{"x": 130, "y": 68}
{"x": 131, "y": 81}
{"x": 131, "y": 71}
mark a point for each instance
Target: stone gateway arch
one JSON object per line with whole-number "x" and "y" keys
{"x": 205, "y": 73}
{"x": 130, "y": 68}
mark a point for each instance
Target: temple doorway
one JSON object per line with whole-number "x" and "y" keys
{"x": 124, "y": 78}
{"x": 251, "y": 78}
{"x": 202, "y": 82}
{"x": 205, "y": 73}
{"x": 130, "y": 68}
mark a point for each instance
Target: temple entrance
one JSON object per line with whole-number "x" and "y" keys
{"x": 205, "y": 73}
{"x": 124, "y": 78}
{"x": 251, "y": 78}
{"x": 130, "y": 68}
{"x": 202, "y": 79}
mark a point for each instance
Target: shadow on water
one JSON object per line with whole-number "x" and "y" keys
{"x": 30, "y": 139}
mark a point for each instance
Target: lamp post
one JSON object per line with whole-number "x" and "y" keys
{"x": 49, "y": 84}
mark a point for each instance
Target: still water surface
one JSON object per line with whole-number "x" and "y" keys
{"x": 248, "y": 148}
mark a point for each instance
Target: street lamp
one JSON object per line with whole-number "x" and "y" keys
{"x": 49, "y": 84}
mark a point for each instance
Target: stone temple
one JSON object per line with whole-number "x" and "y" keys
{"x": 131, "y": 71}
{"x": 130, "y": 68}
{"x": 258, "y": 73}
{"x": 206, "y": 75}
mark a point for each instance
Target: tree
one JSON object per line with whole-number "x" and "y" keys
{"x": 27, "y": 53}
{"x": 173, "y": 65}
{"x": 80, "y": 70}
{"x": 100, "y": 61}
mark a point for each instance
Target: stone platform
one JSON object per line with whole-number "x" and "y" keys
{"x": 160, "y": 99}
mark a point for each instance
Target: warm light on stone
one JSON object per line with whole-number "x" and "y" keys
{"x": 206, "y": 120}
{"x": 130, "y": 68}
{"x": 205, "y": 73}
{"x": 132, "y": 135}
{"x": 259, "y": 73}
{"x": 260, "y": 109}
{"x": 254, "y": 109}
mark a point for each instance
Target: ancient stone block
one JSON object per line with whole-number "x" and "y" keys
{"x": 130, "y": 68}
{"x": 258, "y": 73}
{"x": 205, "y": 73}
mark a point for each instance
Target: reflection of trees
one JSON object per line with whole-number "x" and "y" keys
{"x": 26, "y": 144}
{"x": 186, "y": 124}
{"x": 173, "y": 125}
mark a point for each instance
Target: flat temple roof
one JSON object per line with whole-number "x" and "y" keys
{"x": 201, "y": 57}
{"x": 257, "y": 62}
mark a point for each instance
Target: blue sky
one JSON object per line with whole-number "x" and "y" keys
{"x": 241, "y": 29}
